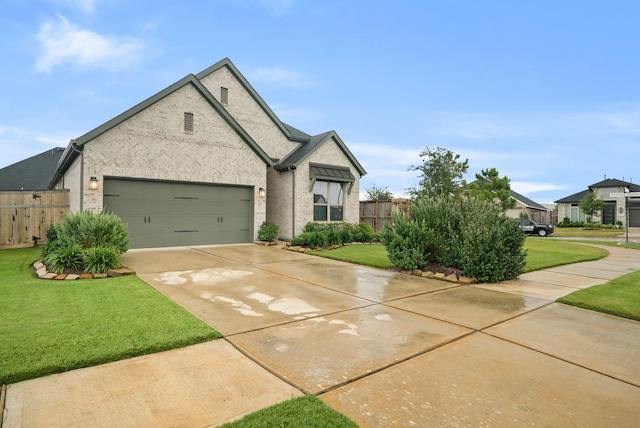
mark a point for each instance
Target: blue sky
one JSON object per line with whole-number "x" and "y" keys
{"x": 546, "y": 92}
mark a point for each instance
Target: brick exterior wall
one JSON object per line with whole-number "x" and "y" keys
{"x": 154, "y": 145}
{"x": 249, "y": 114}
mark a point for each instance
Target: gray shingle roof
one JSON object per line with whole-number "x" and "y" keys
{"x": 32, "y": 173}
{"x": 608, "y": 182}
{"x": 528, "y": 202}
{"x": 305, "y": 149}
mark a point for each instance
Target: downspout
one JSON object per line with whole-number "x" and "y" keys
{"x": 73, "y": 147}
{"x": 293, "y": 200}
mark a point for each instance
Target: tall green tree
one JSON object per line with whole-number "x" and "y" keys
{"x": 378, "y": 193}
{"x": 491, "y": 187}
{"x": 591, "y": 205}
{"x": 441, "y": 173}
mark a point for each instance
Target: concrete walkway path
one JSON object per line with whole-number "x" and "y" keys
{"x": 385, "y": 349}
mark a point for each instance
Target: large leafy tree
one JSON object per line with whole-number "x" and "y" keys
{"x": 491, "y": 187}
{"x": 441, "y": 173}
{"x": 378, "y": 194}
{"x": 591, "y": 205}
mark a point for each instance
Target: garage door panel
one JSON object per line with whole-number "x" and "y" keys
{"x": 160, "y": 214}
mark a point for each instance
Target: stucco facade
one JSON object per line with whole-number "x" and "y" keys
{"x": 235, "y": 141}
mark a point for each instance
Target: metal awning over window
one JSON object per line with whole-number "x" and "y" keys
{"x": 340, "y": 174}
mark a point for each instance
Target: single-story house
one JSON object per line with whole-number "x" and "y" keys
{"x": 206, "y": 161}
{"x": 535, "y": 211}
{"x": 615, "y": 208}
{"x": 33, "y": 173}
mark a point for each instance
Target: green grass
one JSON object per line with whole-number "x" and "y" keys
{"x": 51, "y": 326}
{"x": 619, "y": 297}
{"x": 308, "y": 411}
{"x": 586, "y": 232}
{"x": 543, "y": 253}
{"x": 370, "y": 255}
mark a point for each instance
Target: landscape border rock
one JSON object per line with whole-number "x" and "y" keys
{"x": 40, "y": 270}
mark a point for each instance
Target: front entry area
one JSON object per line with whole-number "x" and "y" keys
{"x": 170, "y": 214}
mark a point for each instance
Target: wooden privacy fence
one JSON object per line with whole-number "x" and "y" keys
{"x": 378, "y": 213}
{"x": 27, "y": 214}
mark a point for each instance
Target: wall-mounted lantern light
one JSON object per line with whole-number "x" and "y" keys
{"x": 262, "y": 192}
{"x": 93, "y": 183}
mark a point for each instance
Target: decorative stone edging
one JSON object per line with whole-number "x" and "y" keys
{"x": 462, "y": 280}
{"x": 42, "y": 273}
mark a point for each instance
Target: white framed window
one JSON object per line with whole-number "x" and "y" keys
{"x": 328, "y": 201}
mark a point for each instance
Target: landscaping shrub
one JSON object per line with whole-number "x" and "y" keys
{"x": 268, "y": 231}
{"x": 467, "y": 234}
{"x": 65, "y": 254}
{"x": 85, "y": 242}
{"x": 320, "y": 235}
{"x": 363, "y": 233}
{"x": 101, "y": 259}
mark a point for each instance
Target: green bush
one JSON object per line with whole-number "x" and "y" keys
{"x": 268, "y": 231}
{"x": 65, "y": 255}
{"x": 363, "y": 233}
{"x": 85, "y": 241}
{"x": 101, "y": 259}
{"x": 467, "y": 234}
{"x": 320, "y": 235}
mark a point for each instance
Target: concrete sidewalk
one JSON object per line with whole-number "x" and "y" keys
{"x": 385, "y": 349}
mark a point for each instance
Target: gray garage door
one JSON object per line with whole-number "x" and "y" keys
{"x": 167, "y": 214}
{"x": 634, "y": 217}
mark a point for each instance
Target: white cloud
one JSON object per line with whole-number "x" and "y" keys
{"x": 280, "y": 76}
{"x": 63, "y": 42}
{"x": 526, "y": 187}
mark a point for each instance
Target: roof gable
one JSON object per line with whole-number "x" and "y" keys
{"x": 301, "y": 153}
{"x": 32, "y": 173}
{"x": 75, "y": 146}
{"x": 290, "y": 132}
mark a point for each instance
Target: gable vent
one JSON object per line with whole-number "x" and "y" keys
{"x": 188, "y": 122}
{"x": 224, "y": 96}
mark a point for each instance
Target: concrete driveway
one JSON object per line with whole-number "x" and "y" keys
{"x": 383, "y": 348}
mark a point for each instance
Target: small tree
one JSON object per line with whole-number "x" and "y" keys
{"x": 591, "y": 205}
{"x": 491, "y": 187}
{"x": 440, "y": 174}
{"x": 378, "y": 193}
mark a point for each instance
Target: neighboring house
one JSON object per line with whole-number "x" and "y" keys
{"x": 615, "y": 208}
{"x": 206, "y": 161}
{"x": 534, "y": 211}
{"x": 33, "y": 173}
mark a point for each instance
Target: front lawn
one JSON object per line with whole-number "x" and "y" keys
{"x": 307, "y": 411}
{"x": 51, "y": 326}
{"x": 542, "y": 253}
{"x": 586, "y": 232}
{"x": 362, "y": 254}
{"x": 619, "y": 297}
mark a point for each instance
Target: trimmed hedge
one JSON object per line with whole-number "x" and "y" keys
{"x": 467, "y": 234}
{"x": 322, "y": 235}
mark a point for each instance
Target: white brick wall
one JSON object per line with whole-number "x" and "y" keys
{"x": 249, "y": 115}
{"x": 154, "y": 145}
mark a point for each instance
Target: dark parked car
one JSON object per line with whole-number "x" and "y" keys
{"x": 532, "y": 228}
